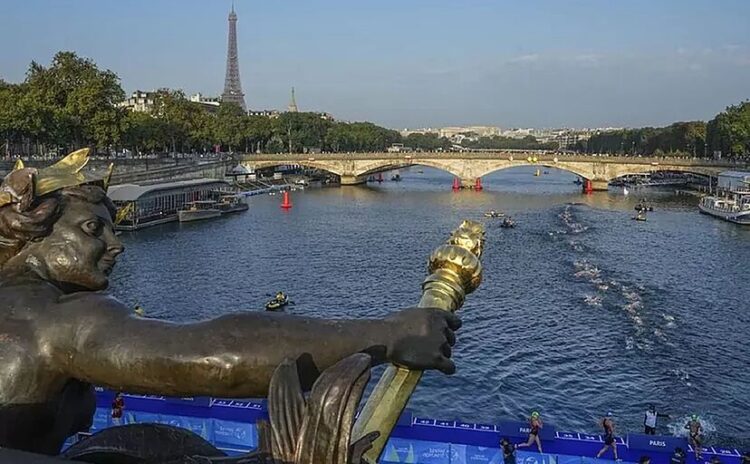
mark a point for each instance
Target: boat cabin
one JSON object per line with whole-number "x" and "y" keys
{"x": 147, "y": 205}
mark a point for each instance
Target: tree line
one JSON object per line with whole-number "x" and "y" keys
{"x": 728, "y": 133}
{"x": 72, "y": 103}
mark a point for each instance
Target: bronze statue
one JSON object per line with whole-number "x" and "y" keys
{"x": 59, "y": 335}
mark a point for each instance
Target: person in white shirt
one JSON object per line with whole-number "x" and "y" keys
{"x": 650, "y": 418}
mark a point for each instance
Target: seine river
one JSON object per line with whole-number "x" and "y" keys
{"x": 582, "y": 310}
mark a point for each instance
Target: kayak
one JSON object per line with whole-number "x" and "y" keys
{"x": 276, "y": 305}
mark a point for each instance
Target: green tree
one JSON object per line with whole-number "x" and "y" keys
{"x": 729, "y": 131}
{"x": 427, "y": 142}
{"x": 75, "y": 101}
{"x": 230, "y": 129}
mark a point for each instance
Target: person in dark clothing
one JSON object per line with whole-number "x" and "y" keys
{"x": 608, "y": 424}
{"x": 746, "y": 457}
{"x": 118, "y": 404}
{"x": 644, "y": 460}
{"x": 678, "y": 457}
{"x": 509, "y": 451}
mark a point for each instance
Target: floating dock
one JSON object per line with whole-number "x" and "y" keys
{"x": 230, "y": 424}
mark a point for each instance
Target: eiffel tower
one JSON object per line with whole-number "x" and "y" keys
{"x": 232, "y": 85}
{"x": 292, "y": 108}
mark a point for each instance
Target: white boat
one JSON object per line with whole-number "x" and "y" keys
{"x": 231, "y": 204}
{"x": 625, "y": 191}
{"x": 734, "y": 206}
{"x": 198, "y": 211}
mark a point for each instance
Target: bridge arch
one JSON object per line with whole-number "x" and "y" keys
{"x": 586, "y": 174}
{"x": 369, "y": 169}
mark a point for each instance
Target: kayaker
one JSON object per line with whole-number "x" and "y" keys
{"x": 535, "y": 424}
{"x": 608, "y": 424}
{"x": 280, "y": 296}
{"x": 139, "y": 311}
{"x": 695, "y": 430}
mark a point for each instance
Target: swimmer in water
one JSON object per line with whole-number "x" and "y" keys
{"x": 535, "y": 424}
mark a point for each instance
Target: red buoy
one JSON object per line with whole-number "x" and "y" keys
{"x": 287, "y": 203}
{"x": 478, "y": 184}
{"x": 456, "y": 184}
{"x": 587, "y": 186}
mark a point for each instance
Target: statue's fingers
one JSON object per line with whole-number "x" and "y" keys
{"x": 445, "y": 365}
{"x": 454, "y": 322}
{"x": 450, "y": 336}
{"x": 445, "y": 348}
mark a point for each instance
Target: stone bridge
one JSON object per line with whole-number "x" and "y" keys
{"x": 470, "y": 166}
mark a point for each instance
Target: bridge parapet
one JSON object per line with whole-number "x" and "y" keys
{"x": 468, "y": 166}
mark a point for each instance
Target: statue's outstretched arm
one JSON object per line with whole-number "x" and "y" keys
{"x": 96, "y": 339}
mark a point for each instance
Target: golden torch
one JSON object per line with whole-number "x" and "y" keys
{"x": 454, "y": 271}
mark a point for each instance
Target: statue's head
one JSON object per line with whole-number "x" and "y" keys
{"x": 59, "y": 228}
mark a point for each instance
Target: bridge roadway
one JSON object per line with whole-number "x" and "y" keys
{"x": 355, "y": 168}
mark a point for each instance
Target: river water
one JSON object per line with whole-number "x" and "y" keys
{"x": 582, "y": 310}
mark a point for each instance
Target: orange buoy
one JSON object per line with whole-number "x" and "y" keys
{"x": 286, "y": 203}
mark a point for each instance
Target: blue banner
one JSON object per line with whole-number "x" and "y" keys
{"x": 663, "y": 444}
{"x": 399, "y": 450}
{"x": 235, "y": 434}
{"x": 467, "y": 454}
{"x": 526, "y": 457}
{"x": 203, "y": 401}
{"x": 564, "y": 459}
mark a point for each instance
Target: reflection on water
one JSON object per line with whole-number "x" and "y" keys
{"x": 582, "y": 310}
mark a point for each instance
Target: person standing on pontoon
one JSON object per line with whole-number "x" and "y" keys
{"x": 696, "y": 430}
{"x": 535, "y": 424}
{"x": 609, "y": 436}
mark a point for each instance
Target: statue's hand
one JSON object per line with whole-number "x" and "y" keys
{"x": 421, "y": 338}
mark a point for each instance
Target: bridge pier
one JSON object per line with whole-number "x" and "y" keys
{"x": 353, "y": 180}
{"x": 600, "y": 185}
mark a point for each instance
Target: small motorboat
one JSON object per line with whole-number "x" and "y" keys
{"x": 643, "y": 207}
{"x": 232, "y": 204}
{"x": 546, "y": 172}
{"x": 494, "y": 214}
{"x": 198, "y": 211}
{"x": 277, "y": 304}
{"x": 639, "y": 217}
{"x": 508, "y": 223}
{"x": 578, "y": 181}
{"x": 396, "y": 178}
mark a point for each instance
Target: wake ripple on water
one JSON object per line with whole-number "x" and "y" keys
{"x": 612, "y": 293}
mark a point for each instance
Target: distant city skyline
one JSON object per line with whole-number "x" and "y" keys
{"x": 418, "y": 63}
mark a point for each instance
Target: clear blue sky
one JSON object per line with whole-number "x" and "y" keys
{"x": 405, "y": 63}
